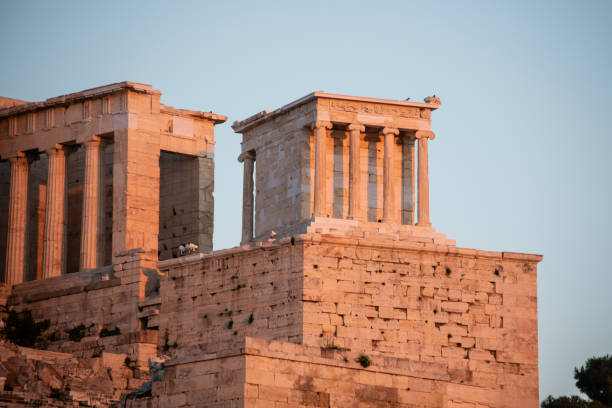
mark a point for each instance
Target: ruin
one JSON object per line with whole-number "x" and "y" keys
{"x": 341, "y": 293}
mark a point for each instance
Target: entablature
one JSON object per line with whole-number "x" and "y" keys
{"x": 78, "y": 117}
{"x": 346, "y": 108}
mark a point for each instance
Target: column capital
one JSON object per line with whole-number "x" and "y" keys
{"x": 55, "y": 149}
{"x": 356, "y": 127}
{"x": 408, "y": 138}
{"x": 389, "y": 131}
{"x": 246, "y": 156}
{"x": 321, "y": 124}
{"x": 424, "y": 134}
{"x": 17, "y": 157}
{"x": 94, "y": 141}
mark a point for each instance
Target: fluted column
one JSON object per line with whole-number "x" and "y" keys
{"x": 248, "y": 158}
{"x": 389, "y": 207}
{"x": 54, "y": 218}
{"x": 320, "y": 197}
{"x": 18, "y": 202}
{"x": 409, "y": 146}
{"x": 89, "y": 221}
{"x": 423, "y": 181}
{"x": 354, "y": 210}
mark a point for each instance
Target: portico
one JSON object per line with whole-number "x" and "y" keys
{"x": 95, "y": 156}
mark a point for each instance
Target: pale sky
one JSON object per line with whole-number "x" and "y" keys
{"x": 521, "y": 160}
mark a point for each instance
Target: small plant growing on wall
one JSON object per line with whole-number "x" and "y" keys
{"x": 21, "y": 329}
{"x": 364, "y": 360}
{"x": 107, "y": 333}
{"x": 76, "y": 333}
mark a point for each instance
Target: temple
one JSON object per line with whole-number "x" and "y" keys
{"x": 336, "y": 156}
{"x": 340, "y": 294}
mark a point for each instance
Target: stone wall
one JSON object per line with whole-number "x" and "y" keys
{"x": 472, "y": 312}
{"x": 455, "y": 326}
{"x": 97, "y": 310}
{"x": 186, "y": 203}
{"x": 210, "y": 301}
{"x": 177, "y": 202}
{"x": 205, "y": 214}
{"x": 281, "y": 179}
{"x": 268, "y": 373}
{"x": 420, "y": 303}
{"x": 216, "y": 381}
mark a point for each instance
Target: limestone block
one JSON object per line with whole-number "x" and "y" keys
{"x": 456, "y": 307}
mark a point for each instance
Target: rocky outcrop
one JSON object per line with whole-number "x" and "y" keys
{"x": 31, "y": 377}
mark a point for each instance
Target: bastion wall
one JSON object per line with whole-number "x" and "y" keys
{"x": 440, "y": 325}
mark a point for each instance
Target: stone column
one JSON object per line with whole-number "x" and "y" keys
{"x": 409, "y": 146}
{"x": 248, "y": 158}
{"x": 320, "y": 197}
{"x": 389, "y": 207}
{"x": 91, "y": 196}
{"x": 354, "y": 210}
{"x": 54, "y": 219}
{"x": 206, "y": 184}
{"x": 16, "y": 235}
{"x": 423, "y": 182}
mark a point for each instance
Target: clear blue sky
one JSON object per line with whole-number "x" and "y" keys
{"x": 521, "y": 161}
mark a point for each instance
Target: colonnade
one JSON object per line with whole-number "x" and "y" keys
{"x": 53, "y": 234}
{"x": 321, "y": 131}
{"x": 389, "y": 180}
